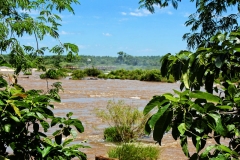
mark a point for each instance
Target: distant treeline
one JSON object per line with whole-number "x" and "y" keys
{"x": 127, "y": 62}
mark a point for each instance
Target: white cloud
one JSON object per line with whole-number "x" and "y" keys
{"x": 169, "y": 12}
{"x": 65, "y": 33}
{"x": 107, "y": 34}
{"x": 124, "y": 13}
{"x": 140, "y": 13}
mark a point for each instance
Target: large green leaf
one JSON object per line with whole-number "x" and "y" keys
{"x": 204, "y": 95}
{"x": 170, "y": 97}
{"x": 207, "y": 151}
{"x": 158, "y": 115}
{"x": 184, "y": 144}
{"x": 17, "y": 111}
{"x": 228, "y": 150}
{"x": 161, "y": 125}
{"x": 186, "y": 80}
{"x": 78, "y": 124}
{"x": 217, "y": 125}
{"x": 58, "y": 139}
{"x": 154, "y": 102}
{"x": 182, "y": 128}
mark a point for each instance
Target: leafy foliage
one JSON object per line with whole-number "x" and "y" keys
{"x": 208, "y": 20}
{"x": 26, "y": 116}
{"x": 53, "y": 74}
{"x": 24, "y": 113}
{"x": 197, "y": 114}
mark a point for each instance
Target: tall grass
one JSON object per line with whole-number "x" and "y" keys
{"x": 127, "y": 121}
{"x": 135, "y": 151}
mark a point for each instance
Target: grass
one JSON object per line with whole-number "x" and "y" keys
{"x": 135, "y": 151}
{"x": 127, "y": 121}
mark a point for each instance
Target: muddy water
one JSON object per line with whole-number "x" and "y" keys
{"x": 83, "y": 97}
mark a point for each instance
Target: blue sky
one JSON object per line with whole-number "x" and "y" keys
{"x": 103, "y": 28}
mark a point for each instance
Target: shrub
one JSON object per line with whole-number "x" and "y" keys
{"x": 78, "y": 74}
{"x": 151, "y": 75}
{"x": 92, "y": 72}
{"x": 126, "y": 119}
{"x": 131, "y": 151}
{"x": 111, "y": 135}
{"x": 53, "y": 74}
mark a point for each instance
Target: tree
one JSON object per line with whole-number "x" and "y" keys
{"x": 23, "y": 113}
{"x": 208, "y": 18}
{"x": 195, "y": 114}
{"x": 121, "y": 56}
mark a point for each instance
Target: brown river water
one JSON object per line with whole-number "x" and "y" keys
{"x": 83, "y": 97}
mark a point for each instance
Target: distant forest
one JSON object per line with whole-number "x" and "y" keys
{"x": 120, "y": 62}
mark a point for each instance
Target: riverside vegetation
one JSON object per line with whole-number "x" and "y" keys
{"x": 190, "y": 113}
{"x": 126, "y": 126}
{"x": 137, "y": 74}
{"x": 202, "y": 115}
{"x": 26, "y": 116}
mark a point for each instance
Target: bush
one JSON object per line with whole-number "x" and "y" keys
{"x": 111, "y": 135}
{"x": 53, "y": 74}
{"x": 127, "y": 120}
{"x": 92, "y": 72}
{"x": 151, "y": 75}
{"x": 131, "y": 151}
{"x": 78, "y": 74}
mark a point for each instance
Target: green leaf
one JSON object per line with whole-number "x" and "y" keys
{"x": 46, "y": 151}
{"x": 231, "y": 90}
{"x": 58, "y": 139}
{"x": 69, "y": 114}
{"x": 197, "y": 108}
{"x": 186, "y": 80}
{"x": 14, "y": 117}
{"x": 217, "y": 126}
{"x": 66, "y": 142}
{"x": 170, "y": 97}
{"x": 218, "y": 62}
{"x": 182, "y": 128}
{"x": 55, "y": 121}
{"x": 17, "y": 111}
{"x": 78, "y": 124}
{"x": 228, "y": 150}
{"x": 154, "y": 102}
{"x": 158, "y": 115}
{"x": 161, "y": 125}
{"x": 7, "y": 127}
{"x": 40, "y": 116}
{"x": 45, "y": 125}
{"x": 57, "y": 132}
{"x": 184, "y": 144}
{"x": 207, "y": 151}
{"x": 224, "y": 107}
{"x": 147, "y": 128}
{"x": 204, "y": 95}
